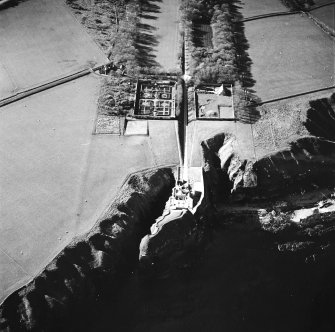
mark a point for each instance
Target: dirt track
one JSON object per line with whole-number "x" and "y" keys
{"x": 40, "y": 40}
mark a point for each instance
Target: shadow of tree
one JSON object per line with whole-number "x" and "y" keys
{"x": 321, "y": 118}
{"x": 243, "y": 60}
{"x": 199, "y": 32}
{"x": 249, "y": 113}
{"x": 10, "y": 3}
{"x": 146, "y": 40}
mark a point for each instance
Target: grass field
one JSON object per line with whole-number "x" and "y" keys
{"x": 290, "y": 55}
{"x": 199, "y": 131}
{"x": 57, "y": 178}
{"x": 40, "y": 40}
{"x": 164, "y": 30}
{"x": 326, "y": 15}
{"x": 260, "y": 7}
{"x": 283, "y": 122}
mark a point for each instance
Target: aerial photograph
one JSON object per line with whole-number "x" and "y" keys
{"x": 167, "y": 165}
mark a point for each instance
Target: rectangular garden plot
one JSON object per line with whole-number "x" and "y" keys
{"x": 214, "y": 101}
{"x": 155, "y": 99}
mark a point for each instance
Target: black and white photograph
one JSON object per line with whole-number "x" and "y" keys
{"x": 167, "y": 166}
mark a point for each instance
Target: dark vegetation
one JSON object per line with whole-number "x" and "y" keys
{"x": 210, "y": 64}
{"x": 321, "y": 118}
{"x": 298, "y": 4}
{"x": 116, "y": 26}
{"x": 227, "y": 59}
{"x": 116, "y": 95}
{"x": 91, "y": 268}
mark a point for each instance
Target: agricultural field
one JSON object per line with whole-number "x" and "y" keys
{"x": 261, "y": 7}
{"x": 326, "y": 15}
{"x": 290, "y": 54}
{"x": 321, "y": 2}
{"x": 44, "y": 144}
{"x": 57, "y": 178}
{"x": 283, "y": 122}
{"x": 40, "y": 41}
{"x": 199, "y": 131}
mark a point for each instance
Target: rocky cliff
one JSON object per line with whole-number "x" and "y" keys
{"x": 307, "y": 163}
{"x": 303, "y": 164}
{"x": 92, "y": 264}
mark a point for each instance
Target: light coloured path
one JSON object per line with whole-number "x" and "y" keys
{"x": 56, "y": 178}
{"x": 289, "y": 53}
{"x": 40, "y": 41}
{"x": 166, "y": 25}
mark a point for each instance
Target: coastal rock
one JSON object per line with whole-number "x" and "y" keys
{"x": 173, "y": 234}
{"x": 307, "y": 163}
{"x": 321, "y": 118}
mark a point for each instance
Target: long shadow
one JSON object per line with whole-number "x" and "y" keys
{"x": 321, "y": 118}
{"x": 10, "y": 3}
{"x": 249, "y": 114}
{"x": 199, "y": 34}
{"x": 146, "y": 40}
{"x": 149, "y": 7}
{"x": 244, "y": 61}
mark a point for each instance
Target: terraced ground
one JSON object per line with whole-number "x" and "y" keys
{"x": 40, "y": 41}
{"x": 290, "y": 54}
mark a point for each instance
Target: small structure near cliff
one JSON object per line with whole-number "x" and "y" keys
{"x": 176, "y": 228}
{"x": 214, "y": 101}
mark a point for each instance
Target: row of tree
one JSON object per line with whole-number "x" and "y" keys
{"x": 298, "y": 4}
{"x": 214, "y": 64}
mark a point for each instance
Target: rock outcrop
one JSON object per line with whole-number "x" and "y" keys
{"x": 304, "y": 164}
{"x": 91, "y": 264}
{"x": 321, "y": 118}
{"x": 307, "y": 163}
{"x": 175, "y": 233}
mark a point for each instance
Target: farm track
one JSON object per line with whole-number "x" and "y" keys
{"x": 296, "y": 95}
{"x": 258, "y": 17}
{"x": 323, "y": 5}
{"x": 284, "y": 13}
